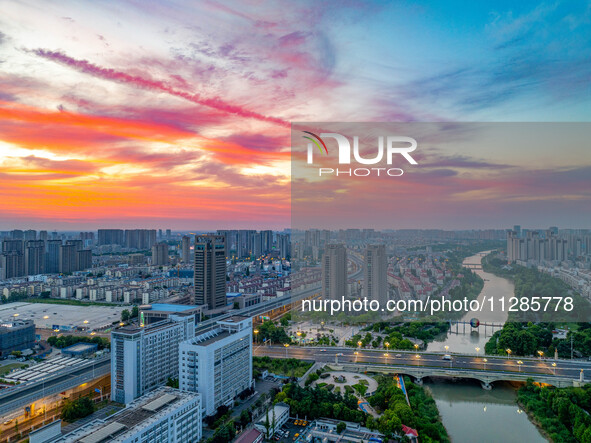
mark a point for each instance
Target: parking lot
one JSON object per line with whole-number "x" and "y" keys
{"x": 294, "y": 428}
{"x": 46, "y": 315}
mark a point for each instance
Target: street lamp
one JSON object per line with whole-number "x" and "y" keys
{"x": 484, "y": 360}
{"x": 540, "y": 353}
{"x": 286, "y": 346}
{"x": 256, "y": 337}
{"x": 508, "y": 352}
{"x": 418, "y": 359}
{"x": 446, "y": 348}
{"x": 387, "y": 346}
{"x": 519, "y": 363}
{"x": 359, "y": 344}
{"x": 356, "y": 354}
{"x": 416, "y": 347}
{"x": 554, "y": 365}
{"x": 477, "y": 350}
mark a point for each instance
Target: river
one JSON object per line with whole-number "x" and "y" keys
{"x": 470, "y": 413}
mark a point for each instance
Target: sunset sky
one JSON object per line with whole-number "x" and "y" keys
{"x": 178, "y": 115}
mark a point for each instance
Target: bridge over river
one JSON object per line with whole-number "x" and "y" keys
{"x": 419, "y": 365}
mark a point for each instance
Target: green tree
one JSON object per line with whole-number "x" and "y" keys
{"x": 172, "y": 382}
{"x": 341, "y": 427}
{"x": 125, "y": 315}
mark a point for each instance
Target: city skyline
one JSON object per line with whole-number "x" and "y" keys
{"x": 184, "y": 121}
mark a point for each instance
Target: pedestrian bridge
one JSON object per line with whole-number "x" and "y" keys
{"x": 486, "y": 378}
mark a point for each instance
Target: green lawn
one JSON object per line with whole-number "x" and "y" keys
{"x": 9, "y": 367}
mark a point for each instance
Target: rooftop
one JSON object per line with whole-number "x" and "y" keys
{"x": 81, "y": 347}
{"x": 169, "y": 307}
{"x": 138, "y": 414}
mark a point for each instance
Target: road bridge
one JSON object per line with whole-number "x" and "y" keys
{"x": 419, "y": 365}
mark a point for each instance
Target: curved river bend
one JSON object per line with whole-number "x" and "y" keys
{"x": 469, "y": 413}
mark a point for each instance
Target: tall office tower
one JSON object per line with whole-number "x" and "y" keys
{"x": 43, "y": 235}
{"x": 375, "y": 267}
{"x": 160, "y": 234}
{"x": 111, "y": 237}
{"x": 34, "y": 257}
{"x": 210, "y": 271}
{"x": 30, "y": 234}
{"x": 186, "y": 249}
{"x": 517, "y": 229}
{"x": 284, "y": 245}
{"x": 266, "y": 241}
{"x": 334, "y": 272}
{"x": 160, "y": 254}
{"x": 67, "y": 258}
{"x": 168, "y": 234}
{"x": 218, "y": 363}
{"x": 17, "y": 234}
{"x": 52, "y": 257}
{"x": 142, "y": 358}
{"x": 12, "y": 260}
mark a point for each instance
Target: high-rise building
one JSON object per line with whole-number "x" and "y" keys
{"x": 30, "y": 234}
{"x": 143, "y": 358}
{"x": 52, "y": 258}
{"x": 218, "y": 363}
{"x": 168, "y": 234}
{"x": 34, "y": 257}
{"x": 517, "y": 229}
{"x": 334, "y": 272}
{"x": 12, "y": 260}
{"x": 284, "y": 245}
{"x": 210, "y": 271}
{"x": 83, "y": 259}
{"x": 164, "y": 415}
{"x": 17, "y": 234}
{"x": 43, "y": 235}
{"x": 67, "y": 258}
{"x": 266, "y": 241}
{"x": 160, "y": 254}
{"x": 111, "y": 237}
{"x": 375, "y": 277}
{"x": 186, "y": 249}
{"x": 140, "y": 238}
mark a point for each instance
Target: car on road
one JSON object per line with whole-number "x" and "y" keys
{"x": 398, "y": 355}
{"x": 7, "y": 422}
{"x": 446, "y": 357}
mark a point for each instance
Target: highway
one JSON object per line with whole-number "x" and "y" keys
{"x": 530, "y": 366}
{"x": 22, "y": 395}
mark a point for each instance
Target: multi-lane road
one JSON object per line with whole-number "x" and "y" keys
{"x": 19, "y": 396}
{"x": 533, "y": 366}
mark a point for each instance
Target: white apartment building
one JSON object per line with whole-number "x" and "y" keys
{"x": 218, "y": 363}
{"x": 164, "y": 415}
{"x": 143, "y": 358}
